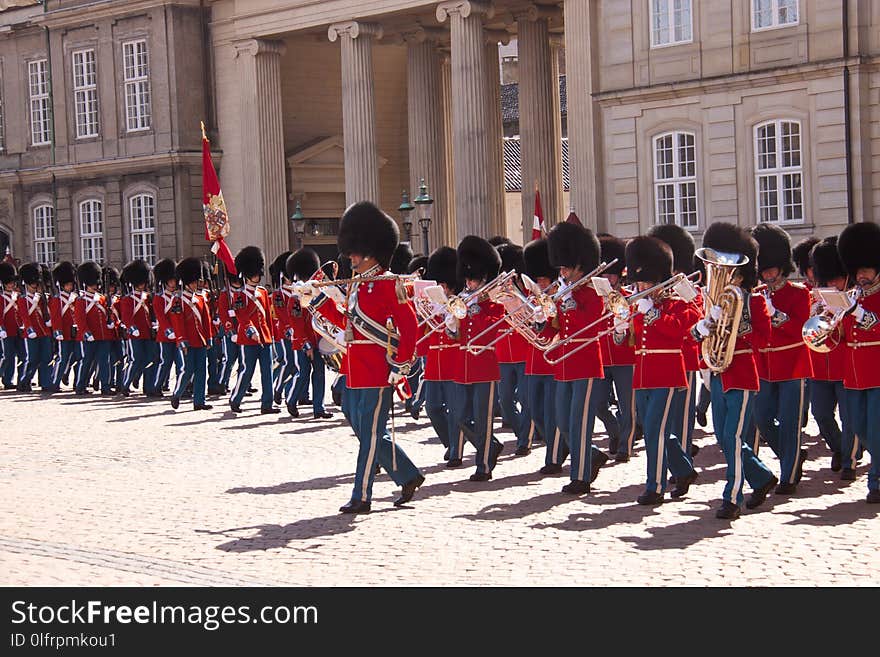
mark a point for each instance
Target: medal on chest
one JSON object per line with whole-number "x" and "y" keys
{"x": 474, "y": 310}
{"x": 569, "y": 304}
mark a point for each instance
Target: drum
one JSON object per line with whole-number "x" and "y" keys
{"x": 331, "y": 354}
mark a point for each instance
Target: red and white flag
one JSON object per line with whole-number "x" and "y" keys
{"x": 538, "y": 230}
{"x": 216, "y": 216}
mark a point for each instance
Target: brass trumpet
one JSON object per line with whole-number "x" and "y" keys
{"x": 401, "y": 278}
{"x": 823, "y": 331}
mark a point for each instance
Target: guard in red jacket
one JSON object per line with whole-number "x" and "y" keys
{"x": 62, "y": 312}
{"x": 98, "y": 329}
{"x": 287, "y": 368}
{"x": 135, "y": 309}
{"x": 733, "y": 388}
{"x": 166, "y": 339}
{"x": 661, "y": 322}
{"x": 784, "y": 364}
{"x": 10, "y": 327}
{"x": 859, "y": 248}
{"x": 191, "y": 321}
{"x": 229, "y": 330}
{"x": 33, "y": 313}
{"x": 380, "y": 338}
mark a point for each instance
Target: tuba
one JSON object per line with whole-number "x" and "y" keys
{"x": 721, "y": 290}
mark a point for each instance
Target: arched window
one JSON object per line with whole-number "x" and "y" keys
{"x": 779, "y": 172}
{"x": 142, "y": 215}
{"x": 675, "y": 179}
{"x": 44, "y": 235}
{"x": 91, "y": 230}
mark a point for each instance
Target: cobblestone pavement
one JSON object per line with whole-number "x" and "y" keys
{"x": 128, "y": 492}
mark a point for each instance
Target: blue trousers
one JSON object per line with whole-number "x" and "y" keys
{"x": 215, "y": 361}
{"x": 417, "y": 382}
{"x": 663, "y": 448}
{"x": 195, "y": 366}
{"x": 684, "y": 413}
{"x": 308, "y": 369}
{"x": 117, "y": 363}
{"x": 439, "y": 396}
{"x": 142, "y": 363}
{"x": 13, "y": 350}
{"x": 864, "y": 414}
{"x": 38, "y": 354}
{"x": 231, "y": 357}
{"x": 96, "y": 356}
{"x": 369, "y": 409}
{"x": 70, "y": 350}
{"x": 168, "y": 355}
{"x": 825, "y": 396}
{"x": 731, "y": 411}
{"x": 576, "y": 403}
{"x": 512, "y": 391}
{"x": 475, "y": 401}
{"x": 250, "y": 354}
{"x": 779, "y": 406}
{"x": 620, "y": 426}
{"x": 288, "y": 367}
{"x": 540, "y": 390}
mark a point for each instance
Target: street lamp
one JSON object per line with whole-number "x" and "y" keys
{"x": 299, "y": 224}
{"x": 424, "y": 203}
{"x": 406, "y": 209}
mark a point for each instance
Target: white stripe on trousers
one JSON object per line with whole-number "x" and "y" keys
{"x": 583, "y": 434}
{"x": 687, "y": 409}
{"x": 632, "y": 422}
{"x": 281, "y": 371}
{"x": 661, "y": 441}
{"x": 797, "y": 451}
{"x": 738, "y": 464}
{"x": 161, "y": 366}
{"x": 239, "y": 378}
{"x": 369, "y": 466}
{"x": 489, "y": 419}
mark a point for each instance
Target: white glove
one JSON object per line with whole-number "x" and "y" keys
{"x": 230, "y": 313}
{"x": 135, "y": 333}
{"x": 31, "y": 333}
{"x": 334, "y": 293}
{"x": 234, "y": 338}
{"x": 540, "y": 317}
{"x": 48, "y": 322}
{"x": 2, "y": 333}
{"x": 703, "y": 328}
{"x": 451, "y": 322}
{"x": 59, "y": 337}
{"x": 644, "y": 305}
{"x": 339, "y": 336}
{"x": 621, "y": 325}
{"x": 715, "y": 313}
{"x": 858, "y": 314}
{"x": 770, "y": 307}
{"x": 90, "y": 337}
{"x": 395, "y": 377}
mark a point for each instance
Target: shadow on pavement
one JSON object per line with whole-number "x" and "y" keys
{"x": 270, "y": 537}
{"x": 844, "y": 513}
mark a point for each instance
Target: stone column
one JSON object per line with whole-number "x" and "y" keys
{"x": 495, "y": 134}
{"x": 584, "y": 139}
{"x": 358, "y": 110}
{"x": 538, "y": 135}
{"x": 449, "y": 229}
{"x": 557, "y": 43}
{"x": 262, "y": 144}
{"x": 427, "y": 141}
{"x": 469, "y": 116}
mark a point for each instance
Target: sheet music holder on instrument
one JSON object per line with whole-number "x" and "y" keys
{"x": 834, "y": 299}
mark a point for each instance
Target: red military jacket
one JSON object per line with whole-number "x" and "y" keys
{"x": 115, "y": 316}
{"x": 442, "y": 360}
{"x": 689, "y": 348}
{"x": 162, "y": 304}
{"x": 786, "y": 357}
{"x": 62, "y": 311}
{"x": 92, "y": 317}
{"x": 512, "y": 348}
{"x": 536, "y": 364}
{"x": 367, "y": 363}
{"x": 862, "y": 354}
{"x": 226, "y": 312}
{"x": 211, "y": 303}
{"x": 480, "y": 367}
{"x": 9, "y": 310}
{"x": 281, "y": 322}
{"x": 300, "y": 320}
{"x": 614, "y": 354}
{"x": 582, "y": 308}
{"x": 30, "y": 313}
{"x": 191, "y": 319}
{"x": 252, "y": 309}
{"x": 659, "y": 335}
{"x": 134, "y": 309}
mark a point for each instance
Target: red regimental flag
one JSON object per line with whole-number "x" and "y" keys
{"x": 538, "y": 230}
{"x": 216, "y": 216}
{"x": 573, "y": 218}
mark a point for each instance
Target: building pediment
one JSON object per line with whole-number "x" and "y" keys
{"x": 322, "y": 153}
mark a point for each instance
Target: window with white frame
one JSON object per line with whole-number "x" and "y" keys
{"x": 136, "y": 67}
{"x": 779, "y": 172}
{"x": 91, "y": 230}
{"x": 675, "y": 179}
{"x": 41, "y": 117}
{"x": 85, "y": 93}
{"x": 671, "y": 22}
{"x": 768, "y": 14}
{"x": 44, "y": 235}
{"x": 142, "y": 212}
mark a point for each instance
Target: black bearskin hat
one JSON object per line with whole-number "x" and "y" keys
{"x": 302, "y": 264}
{"x": 441, "y": 267}
{"x": 110, "y": 275}
{"x": 573, "y": 245}
{"x": 400, "y": 258}
{"x": 511, "y": 257}
{"x": 64, "y": 273}
{"x": 249, "y": 262}
{"x": 29, "y": 273}
{"x": 859, "y": 246}
{"x": 680, "y": 241}
{"x": 366, "y": 230}
{"x": 7, "y": 273}
{"x": 536, "y": 258}
{"x": 88, "y": 274}
{"x": 498, "y": 240}
{"x": 344, "y": 267}
{"x": 477, "y": 259}
{"x": 613, "y": 247}
{"x": 278, "y": 268}
{"x": 189, "y": 270}
{"x": 825, "y": 261}
{"x": 730, "y": 238}
{"x": 163, "y": 271}
{"x": 136, "y": 272}
{"x": 419, "y": 262}
{"x": 774, "y": 248}
{"x": 648, "y": 259}
{"x": 801, "y": 254}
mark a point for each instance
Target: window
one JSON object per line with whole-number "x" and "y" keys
{"x": 85, "y": 93}
{"x": 91, "y": 230}
{"x": 44, "y": 235}
{"x": 38, "y": 85}
{"x": 670, "y": 22}
{"x": 142, "y": 210}
{"x": 778, "y": 172}
{"x": 136, "y": 66}
{"x": 675, "y": 179}
{"x": 768, "y": 14}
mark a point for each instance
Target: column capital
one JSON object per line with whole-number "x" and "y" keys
{"x": 464, "y": 8}
{"x": 254, "y": 47}
{"x": 354, "y": 29}
{"x": 496, "y": 36}
{"x": 535, "y": 12}
{"x": 421, "y": 34}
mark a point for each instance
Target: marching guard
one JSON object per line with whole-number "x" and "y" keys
{"x": 10, "y": 330}
{"x": 136, "y": 312}
{"x": 166, "y": 339}
{"x": 191, "y": 320}
{"x": 98, "y": 330}
{"x": 62, "y": 312}
{"x": 33, "y": 313}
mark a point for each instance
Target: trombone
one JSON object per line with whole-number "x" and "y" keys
{"x": 823, "y": 331}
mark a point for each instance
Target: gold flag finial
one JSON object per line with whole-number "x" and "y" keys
{"x": 204, "y": 136}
